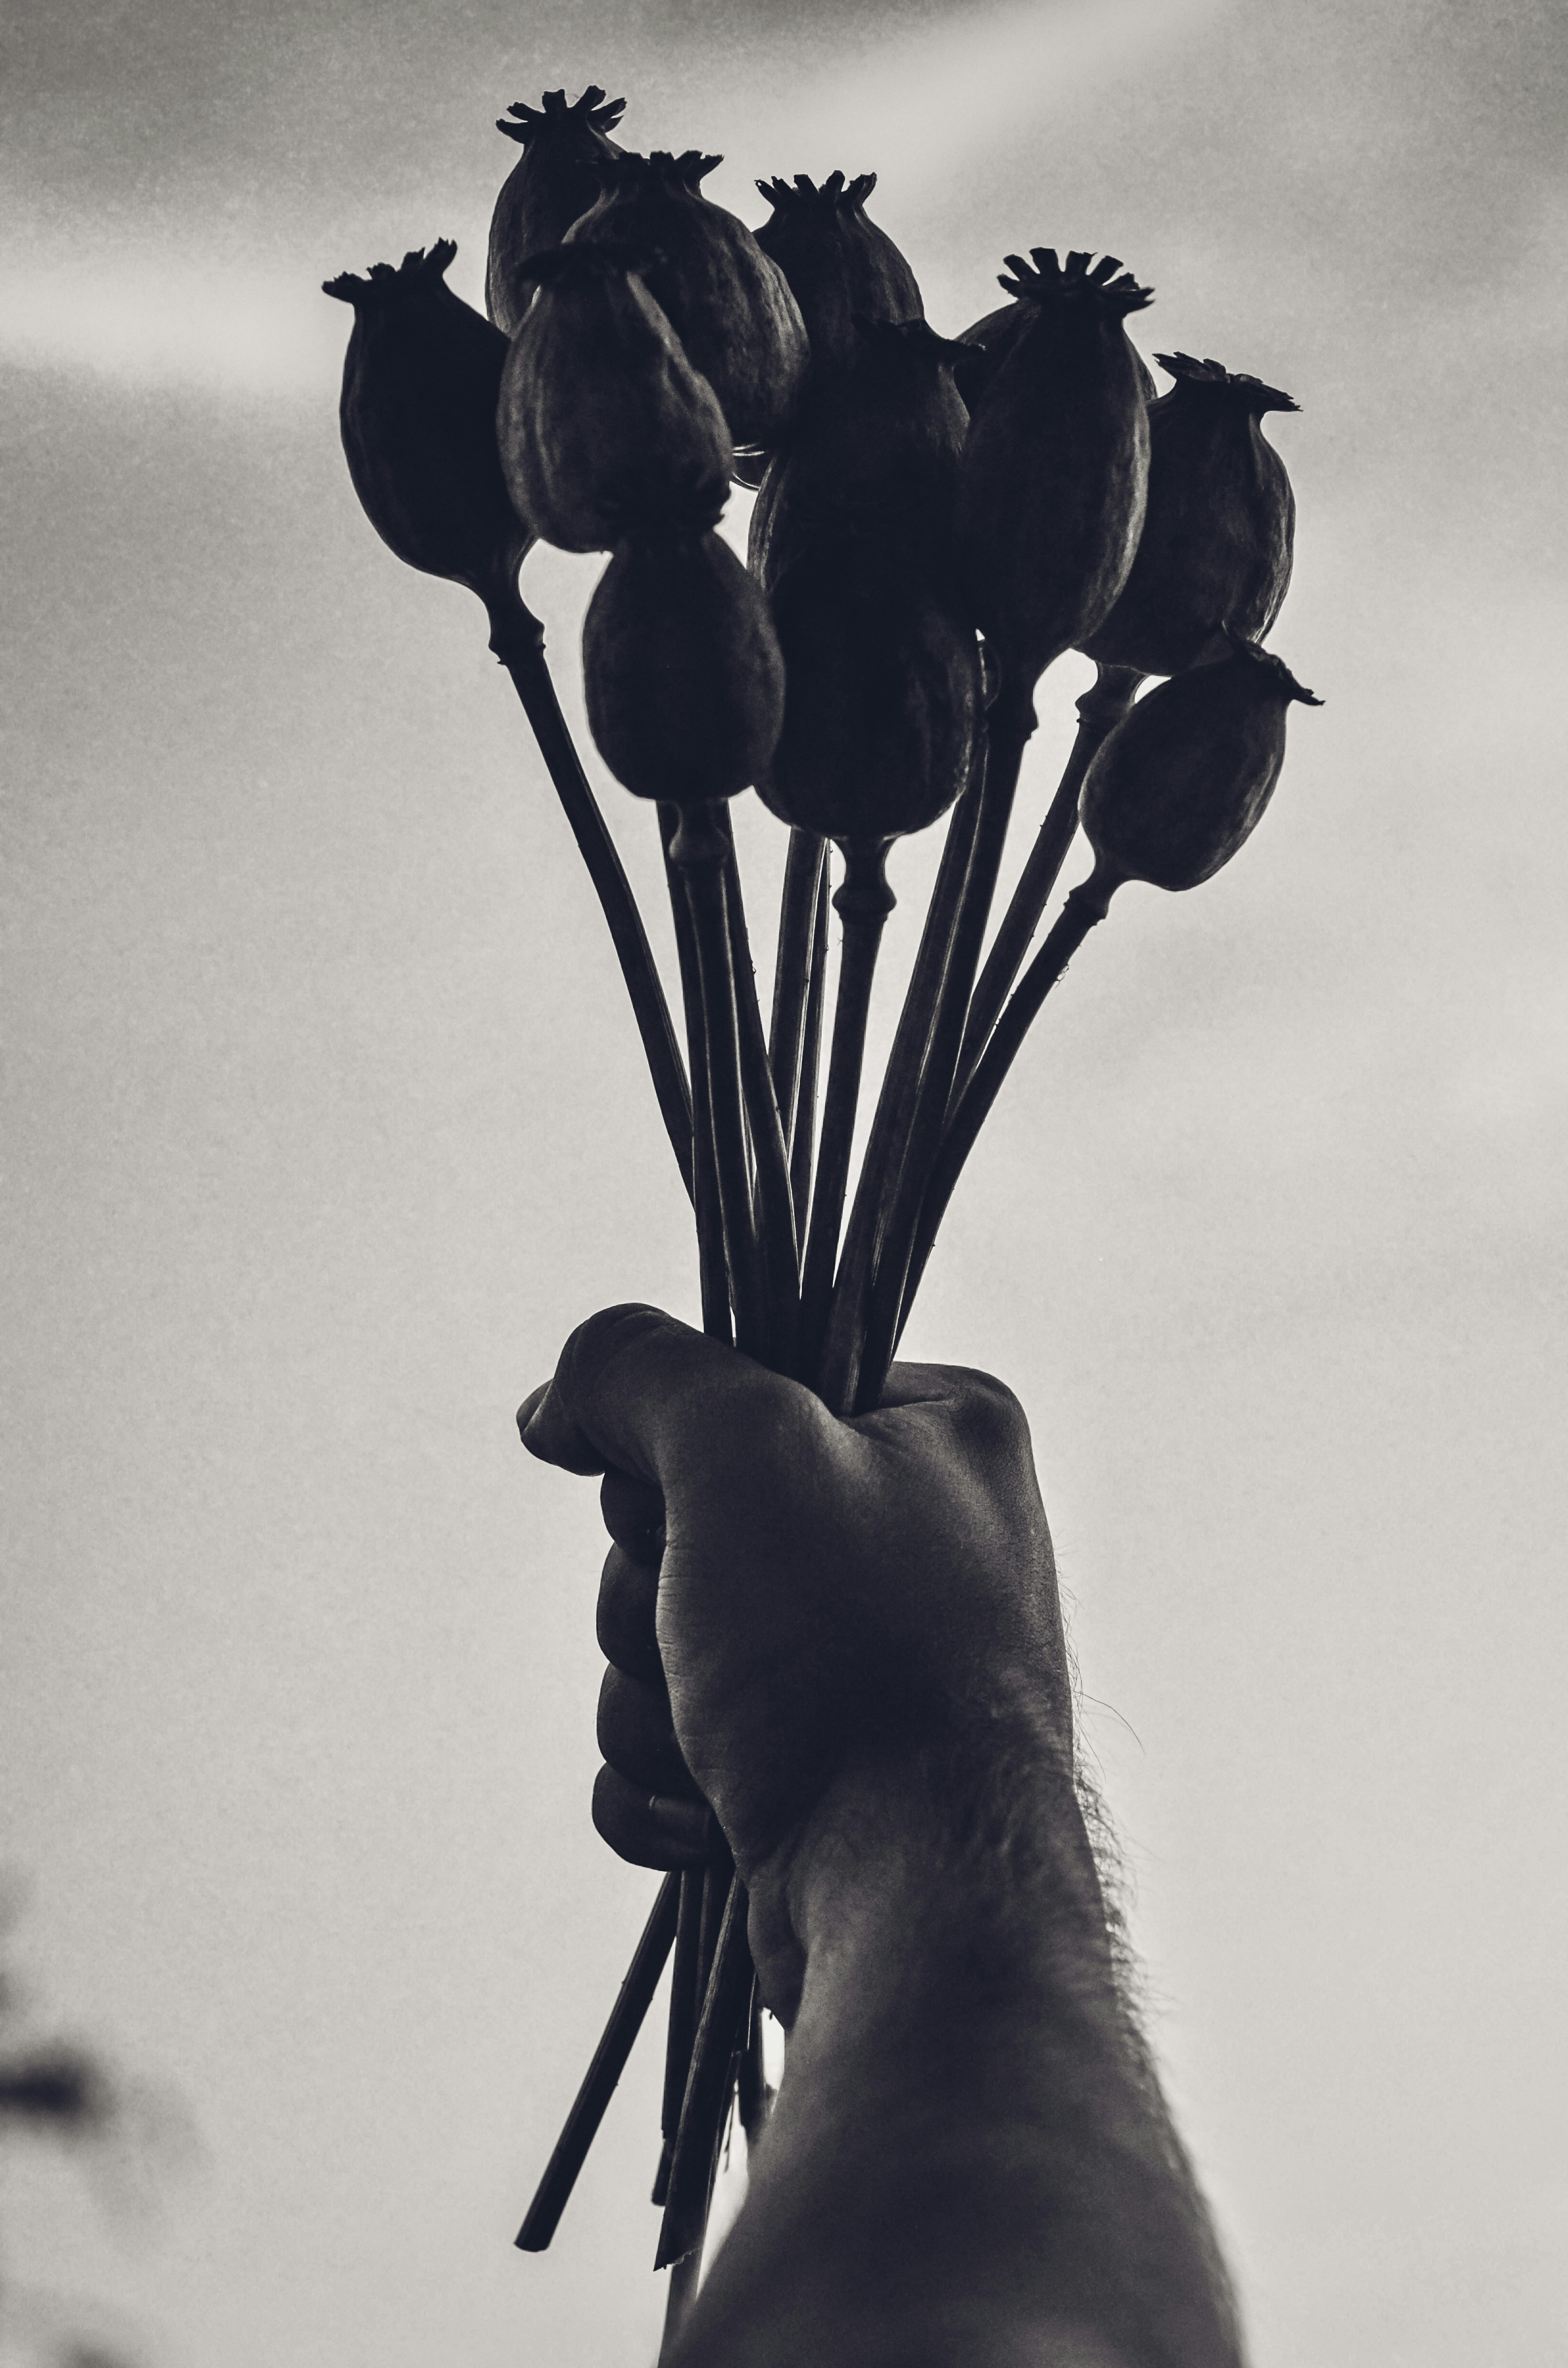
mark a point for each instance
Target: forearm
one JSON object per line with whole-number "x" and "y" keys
{"x": 970, "y": 2162}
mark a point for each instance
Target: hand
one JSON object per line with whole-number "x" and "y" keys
{"x": 813, "y": 1593}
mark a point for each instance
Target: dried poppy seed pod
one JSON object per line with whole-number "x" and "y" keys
{"x": 1055, "y": 468}
{"x": 881, "y": 699}
{"x": 682, "y": 671}
{"x": 418, "y": 417}
{"x": 1218, "y": 527}
{"x": 558, "y": 176}
{"x": 876, "y": 454}
{"x": 993, "y": 339}
{"x": 605, "y": 430}
{"x": 1185, "y": 777}
{"x": 729, "y": 303}
{"x": 841, "y": 268}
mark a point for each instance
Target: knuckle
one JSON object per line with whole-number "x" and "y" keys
{"x": 592, "y": 1345}
{"x": 987, "y": 1414}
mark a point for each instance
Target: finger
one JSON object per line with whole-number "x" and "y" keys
{"x": 632, "y": 1387}
{"x": 638, "y": 1737}
{"x": 629, "y": 1595}
{"x": 571, "y": 1456}
{"x": 651, "y": 1831}
{"x": 634, "y": 1516}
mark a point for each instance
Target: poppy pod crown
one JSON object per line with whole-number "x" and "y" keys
{"x": 1101, "y": 288}
{"x": 1228, "y": 643}
{"x": 804, "y": 196}
{"x": 991, "y": 339}
{"x": 1248, "y": 393}
{"x": 592, "y": 113}
{"x": 423, "y": 271}
{"x": 661, "y": 169}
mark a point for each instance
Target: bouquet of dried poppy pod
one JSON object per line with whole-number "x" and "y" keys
{"x": 936, "y": 521}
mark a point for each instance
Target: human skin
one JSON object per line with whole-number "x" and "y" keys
{"x": 970, "y": 2164}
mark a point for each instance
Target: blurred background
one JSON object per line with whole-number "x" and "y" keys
{"x": 326, "y": 1121}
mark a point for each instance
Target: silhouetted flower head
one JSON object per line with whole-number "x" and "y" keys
{"x": 881, "y": 694}
{"x": 556, "y": 178}
{"x": 1217, "y": 538}
{"x": 875, "y": 454}
{"x": 727, "y": 303}
{"x": 1055, "y": 467}
{"x": 1185, "y": 777}
{"x": 992, "y": 338}
{"x": 841, "y": 268}
{"x": 1233, "y": 388}
{"x": 420, "y": 382}
{"x": 682, "y": 672}
{"x": 605, "y": 427}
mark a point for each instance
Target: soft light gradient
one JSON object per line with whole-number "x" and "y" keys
{"x": 324, "y": 1122}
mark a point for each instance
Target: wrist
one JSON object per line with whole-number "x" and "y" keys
{"x": 959, "y": 1862}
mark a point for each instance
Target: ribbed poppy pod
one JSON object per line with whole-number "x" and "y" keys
{"x": 1055, "y": 467}
{"x": 1219, "y": 529}
{"x": 605, "y": 428}
{"x": 876, "y": 453}
{"x": 841, "y": 268}
{"x": 729, "y": 303}
{"x": 882, "y": 695}
{"x": 420, "y": 382}
{"x": 993, "y": 339}
{"x": 1184, "y": 777}
{"x": 558, "y": 176}
{"x": 682, "y": 670}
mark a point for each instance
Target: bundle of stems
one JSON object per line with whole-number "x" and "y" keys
{"x": 1054, "y": 503}
{"x": 782, "y": 1277}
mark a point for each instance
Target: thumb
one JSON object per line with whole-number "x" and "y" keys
{"x": 627, "y": 1387}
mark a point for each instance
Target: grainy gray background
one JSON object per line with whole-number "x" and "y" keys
{"x": 324, "y": 1122}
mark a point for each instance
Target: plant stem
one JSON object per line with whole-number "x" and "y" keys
{"x": 802, "y": 1140}
{"x": 728, "y": 2000}
{"x": 699, "y": 851}
{"x": 685, "y": 2001}
{"x": 609, "y": 2062}
{"x": 863, "y": 904}
{"x": 524, "y": 660}
{"x": 895, "y": 1104}
{"x": 713, "y": 1274}
{"x": 1085, "y": 905}
{"x": 1012, "y": 721}
{"x": 792, "y": 969}
{"x": 1100, "y": 709}
{"x": 775, "y": 1201}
